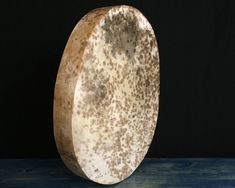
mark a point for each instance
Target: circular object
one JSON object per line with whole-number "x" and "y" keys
{"x": 107, "y": 94}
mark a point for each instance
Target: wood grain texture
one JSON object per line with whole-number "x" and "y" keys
{"x": 154, "y": 173}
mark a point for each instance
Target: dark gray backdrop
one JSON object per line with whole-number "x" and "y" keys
{"x": 197, "y": 50}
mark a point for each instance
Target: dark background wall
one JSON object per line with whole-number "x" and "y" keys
{"x": 197, "y": 52}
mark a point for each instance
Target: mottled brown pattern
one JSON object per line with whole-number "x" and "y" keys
{"x": 107, "y": 94}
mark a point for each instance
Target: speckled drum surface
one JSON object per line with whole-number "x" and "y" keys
{"x": 107, "y": 94}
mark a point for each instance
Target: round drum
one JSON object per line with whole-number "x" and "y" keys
{"x": 107, "y": 94}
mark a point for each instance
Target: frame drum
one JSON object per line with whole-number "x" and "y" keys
{"x": 107, "y": 94}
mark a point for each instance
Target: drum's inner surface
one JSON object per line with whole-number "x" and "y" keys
{"x": 116, "y": 98}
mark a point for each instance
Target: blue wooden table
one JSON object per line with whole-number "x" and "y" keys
{"x": 155, "y": 173}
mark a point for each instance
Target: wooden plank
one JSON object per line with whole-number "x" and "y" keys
{"x": 153, "y": 173}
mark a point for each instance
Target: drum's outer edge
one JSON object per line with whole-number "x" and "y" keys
{"x": 65, "y": 87}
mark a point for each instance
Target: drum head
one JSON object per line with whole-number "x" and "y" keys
{"x": 107, "y": 94}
